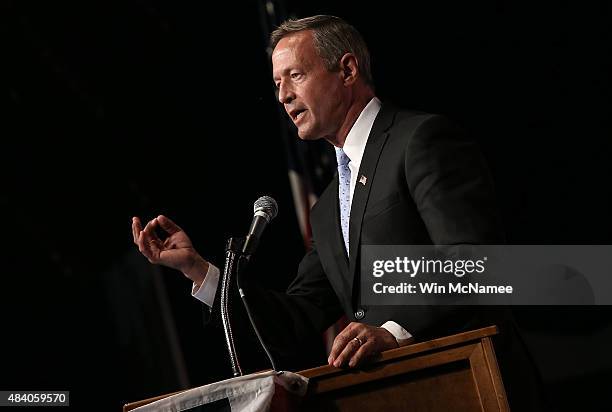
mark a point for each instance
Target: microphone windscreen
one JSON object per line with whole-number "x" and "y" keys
{"x": 266, "y": 205}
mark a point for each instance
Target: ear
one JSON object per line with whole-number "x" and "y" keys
{"x": 349, "y": 69}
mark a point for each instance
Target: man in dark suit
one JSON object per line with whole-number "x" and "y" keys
{"x": 410, "y": 178}
{"x": 404, "y": 178}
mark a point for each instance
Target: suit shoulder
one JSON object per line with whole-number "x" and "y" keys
{"x": 411, "y": 120}
{"x": 411, "y": 126}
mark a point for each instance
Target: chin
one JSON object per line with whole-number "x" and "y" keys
{"x": 307, "y": 136}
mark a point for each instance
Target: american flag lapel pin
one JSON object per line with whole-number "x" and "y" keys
{"x": 363, "y": 180}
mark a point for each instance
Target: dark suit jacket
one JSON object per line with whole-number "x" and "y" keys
{"x": 426, "y": 184}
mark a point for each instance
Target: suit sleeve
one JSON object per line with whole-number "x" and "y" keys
{"x": 451, "y": 185}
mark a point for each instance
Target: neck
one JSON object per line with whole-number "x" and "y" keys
{"x": 353, "y": 112}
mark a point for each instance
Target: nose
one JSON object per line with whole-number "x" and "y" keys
{"x": 285, "y": 93}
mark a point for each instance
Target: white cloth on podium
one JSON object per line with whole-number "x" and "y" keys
{"x": 249, "y": 393}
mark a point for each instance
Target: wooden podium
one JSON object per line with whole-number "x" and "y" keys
{"x": 453, "y": 373}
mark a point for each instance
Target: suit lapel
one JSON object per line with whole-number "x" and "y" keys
{"x": 376, "y": 141}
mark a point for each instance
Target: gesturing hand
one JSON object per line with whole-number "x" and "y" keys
{"x": 176, "y": 251}
{"x": 357, "y": 342}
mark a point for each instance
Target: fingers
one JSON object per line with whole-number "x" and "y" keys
{"x": 148, "y": 242}
{"x": 347, "y": 353}
{"x": 371, "y": 341}
{"x": 168, "y": 225}
{"x": 150, "y": 237}
{"x": 341, "y": 341}
{"x": 136, "y": 228}
{"x": 144, "y": 246}
{"x": 149, "y": 229}
{"x": 364, "y": 351}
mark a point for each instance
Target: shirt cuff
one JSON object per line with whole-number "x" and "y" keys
{"x": 400, "y": 334}
{"x": 207, "y": 290}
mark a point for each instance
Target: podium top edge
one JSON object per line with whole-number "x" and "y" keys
{"x": 412, "y": 349}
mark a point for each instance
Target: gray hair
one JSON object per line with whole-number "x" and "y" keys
{"x": 333, "y": 37}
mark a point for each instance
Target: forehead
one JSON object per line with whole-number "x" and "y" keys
{"x": 296, "y": 49}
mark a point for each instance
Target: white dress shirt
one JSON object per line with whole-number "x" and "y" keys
{"x": 354, "y": 146}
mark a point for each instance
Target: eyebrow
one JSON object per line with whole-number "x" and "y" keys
{"x": 284, "y": 72}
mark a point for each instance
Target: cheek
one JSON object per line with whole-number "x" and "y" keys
{"x": 324, "y": 101}
{"x": 327, "y": 101}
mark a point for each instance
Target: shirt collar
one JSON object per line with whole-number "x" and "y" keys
{"x": 356, "y": 140}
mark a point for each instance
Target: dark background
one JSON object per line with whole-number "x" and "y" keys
{"x": 122, "y": 108}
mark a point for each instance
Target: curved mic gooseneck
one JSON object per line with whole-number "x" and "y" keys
{"x": 237, "y": 254}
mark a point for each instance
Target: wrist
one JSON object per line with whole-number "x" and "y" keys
{"x": 391, "y": 339}
{"x": 197, "y": 270}
{"x": 401, "y": 335}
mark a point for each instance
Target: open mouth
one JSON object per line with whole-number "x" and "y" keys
{"x": 297, "y": 114}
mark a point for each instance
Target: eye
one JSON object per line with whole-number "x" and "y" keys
{"x": 296, "y": 75}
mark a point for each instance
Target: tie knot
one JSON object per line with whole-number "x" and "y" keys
{"x": 341, "y": 157}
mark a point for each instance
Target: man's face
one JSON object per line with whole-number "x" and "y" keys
{"x": 314, "y": 98}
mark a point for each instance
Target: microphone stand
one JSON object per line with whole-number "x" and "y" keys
{"x": 236, "y": 261}
{"x": 233, "y": 253}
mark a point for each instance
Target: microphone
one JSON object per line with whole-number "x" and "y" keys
{"x": 265, "y": 209}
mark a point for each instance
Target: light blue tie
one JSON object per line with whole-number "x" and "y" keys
{"x": 344, "y": 194}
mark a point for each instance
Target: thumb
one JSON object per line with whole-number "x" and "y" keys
{"x": 168, "y": 225}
